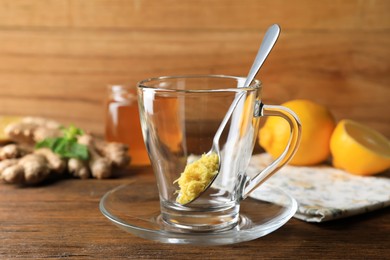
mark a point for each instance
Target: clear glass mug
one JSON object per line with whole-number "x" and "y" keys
{"x": 179, "y": 117}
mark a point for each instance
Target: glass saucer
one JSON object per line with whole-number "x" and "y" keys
{"x": 139, "y": 214}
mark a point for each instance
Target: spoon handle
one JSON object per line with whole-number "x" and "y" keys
{"x": 269, "y": 41}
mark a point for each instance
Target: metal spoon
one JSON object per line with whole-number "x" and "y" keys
{"x": 266, "y": 46}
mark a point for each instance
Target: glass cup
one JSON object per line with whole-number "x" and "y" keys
{"x": 122, "y": 122}
{"x": 179, "y": 117}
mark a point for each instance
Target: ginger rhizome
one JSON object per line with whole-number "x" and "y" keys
{"x": 41, "y": 148}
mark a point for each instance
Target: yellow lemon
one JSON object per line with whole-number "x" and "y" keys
{"x": 4, "y": 121}
{"x": 359, "y": 149}
{"x": 317, "y": 127}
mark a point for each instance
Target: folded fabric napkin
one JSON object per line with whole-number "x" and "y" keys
{"x": 324, "y": 193}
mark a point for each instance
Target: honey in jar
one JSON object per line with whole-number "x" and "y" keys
{"x": 123, "y": 124}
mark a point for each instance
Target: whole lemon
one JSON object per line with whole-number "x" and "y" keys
{"x": 359, "y": 149}
{"x": 317, "y": 127}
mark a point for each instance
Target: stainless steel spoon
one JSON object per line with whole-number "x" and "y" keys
{"x": 266, "y": 46}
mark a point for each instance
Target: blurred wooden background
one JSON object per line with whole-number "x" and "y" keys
{"x": 58, "y": 56}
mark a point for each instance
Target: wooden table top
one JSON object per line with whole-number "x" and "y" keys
{"x": 62, "y": 219}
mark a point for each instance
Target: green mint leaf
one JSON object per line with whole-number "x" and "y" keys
{"x": 72, "y": 132}
{"x": 60, "y": 146}
{"x": 66, "y": 146}
{"x": 47, "y": 143}
{"x": 79, "y": 151}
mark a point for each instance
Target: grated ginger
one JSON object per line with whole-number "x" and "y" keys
{"x": 196, "y": 177}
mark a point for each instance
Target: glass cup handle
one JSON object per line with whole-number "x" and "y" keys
{"x": 289, "y": 151}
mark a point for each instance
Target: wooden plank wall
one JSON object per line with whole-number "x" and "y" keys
{"x": 57, "y": 56}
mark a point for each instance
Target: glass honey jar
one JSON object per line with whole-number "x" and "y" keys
{"x": 122, "y": 122}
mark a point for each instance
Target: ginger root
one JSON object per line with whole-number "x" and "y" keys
{"x": 55, "y": 162}
{"x": 32, "y": 129}
{"x": 21, "y": 164}
{"x": 12, "y": 151}
{"x": 100, "y": 166}
{"x": 30, "y": 169}
{"x": 78, "y": 168}
{"x": 116, "y": 153}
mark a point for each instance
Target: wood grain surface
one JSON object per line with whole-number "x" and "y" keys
{"x": 61, "y": 219}
{"x": 58, "y": 56}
